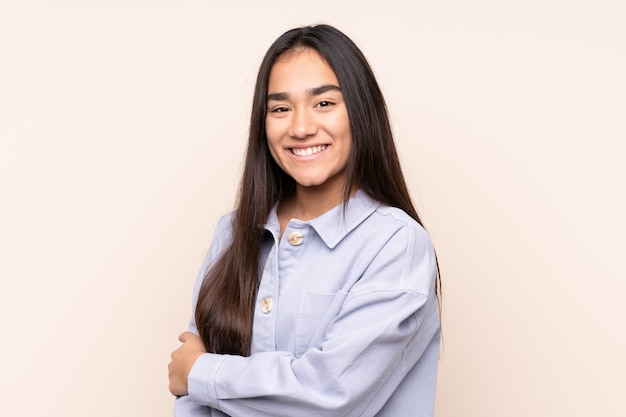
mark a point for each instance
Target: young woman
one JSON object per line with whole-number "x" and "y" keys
{"x": 318, "y": 295}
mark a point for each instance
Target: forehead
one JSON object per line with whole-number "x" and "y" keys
{"x": 300, "y": 69}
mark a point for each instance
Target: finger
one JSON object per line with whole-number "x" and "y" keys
{"x": 184, "y": 336}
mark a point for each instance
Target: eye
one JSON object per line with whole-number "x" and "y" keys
{"x": 279, "y": 110}
{"x": 325, "y": 103}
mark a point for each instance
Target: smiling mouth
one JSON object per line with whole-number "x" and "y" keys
{"x": 308, "y": 151}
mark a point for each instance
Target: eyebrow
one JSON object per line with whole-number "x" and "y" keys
{"x": 315, "y": 91}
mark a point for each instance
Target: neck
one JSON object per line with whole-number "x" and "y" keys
{"x": 310, "y": 202}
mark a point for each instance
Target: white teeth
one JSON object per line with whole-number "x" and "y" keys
{"x": 308, "y": 151}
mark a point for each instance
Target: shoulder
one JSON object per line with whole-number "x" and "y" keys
{"x": 399, "y": 225}
{"x": 405, "y": 244}
{"x": 222, "y": 235}
{"x": 225, "y": 224}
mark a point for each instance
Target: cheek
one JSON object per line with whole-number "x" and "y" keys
{"x": 271, "y": 143}
{"x": 272, "y": 150}
{"x": 271, "y": 132}
{"x": 341, "y": 125}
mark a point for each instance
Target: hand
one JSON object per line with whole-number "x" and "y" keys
{"x": 183, "y": 359}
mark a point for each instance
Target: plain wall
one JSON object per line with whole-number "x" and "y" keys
{"x": 122, "y": 127}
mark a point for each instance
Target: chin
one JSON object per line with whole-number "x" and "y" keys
{"x": 322, "y": 181}
{"x": 309, "y": 184}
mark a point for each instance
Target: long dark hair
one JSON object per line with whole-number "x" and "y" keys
{"x": 225, "y": 308}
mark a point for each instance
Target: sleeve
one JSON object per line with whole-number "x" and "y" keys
{"x": 221, "y": 239}
{"x": 383, "y": 326}
{"x": 184, "y": 406}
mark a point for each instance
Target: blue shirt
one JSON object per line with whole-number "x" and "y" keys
{"x": 346, "y": 322}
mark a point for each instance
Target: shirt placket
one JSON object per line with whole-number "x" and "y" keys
{"x": 281, "y": 265}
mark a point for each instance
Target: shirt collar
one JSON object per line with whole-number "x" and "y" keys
{"x": 334, "y": 225}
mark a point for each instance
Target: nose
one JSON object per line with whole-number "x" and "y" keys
{"x": 303, "y": 124}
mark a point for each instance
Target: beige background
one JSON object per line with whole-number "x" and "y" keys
{"x": 121, "y": 131}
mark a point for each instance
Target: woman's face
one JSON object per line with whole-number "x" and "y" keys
{"x": 307, "y": 124}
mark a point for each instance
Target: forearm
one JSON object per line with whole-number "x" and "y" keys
{"x": 354, "y": 373}
{"x": 184, "y": 406}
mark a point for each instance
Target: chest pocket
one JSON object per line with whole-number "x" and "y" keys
{"x": 315, "y": 312}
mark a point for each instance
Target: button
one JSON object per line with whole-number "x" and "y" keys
{"x": 295, "y": 238}
{"x": 266, "y": 305}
